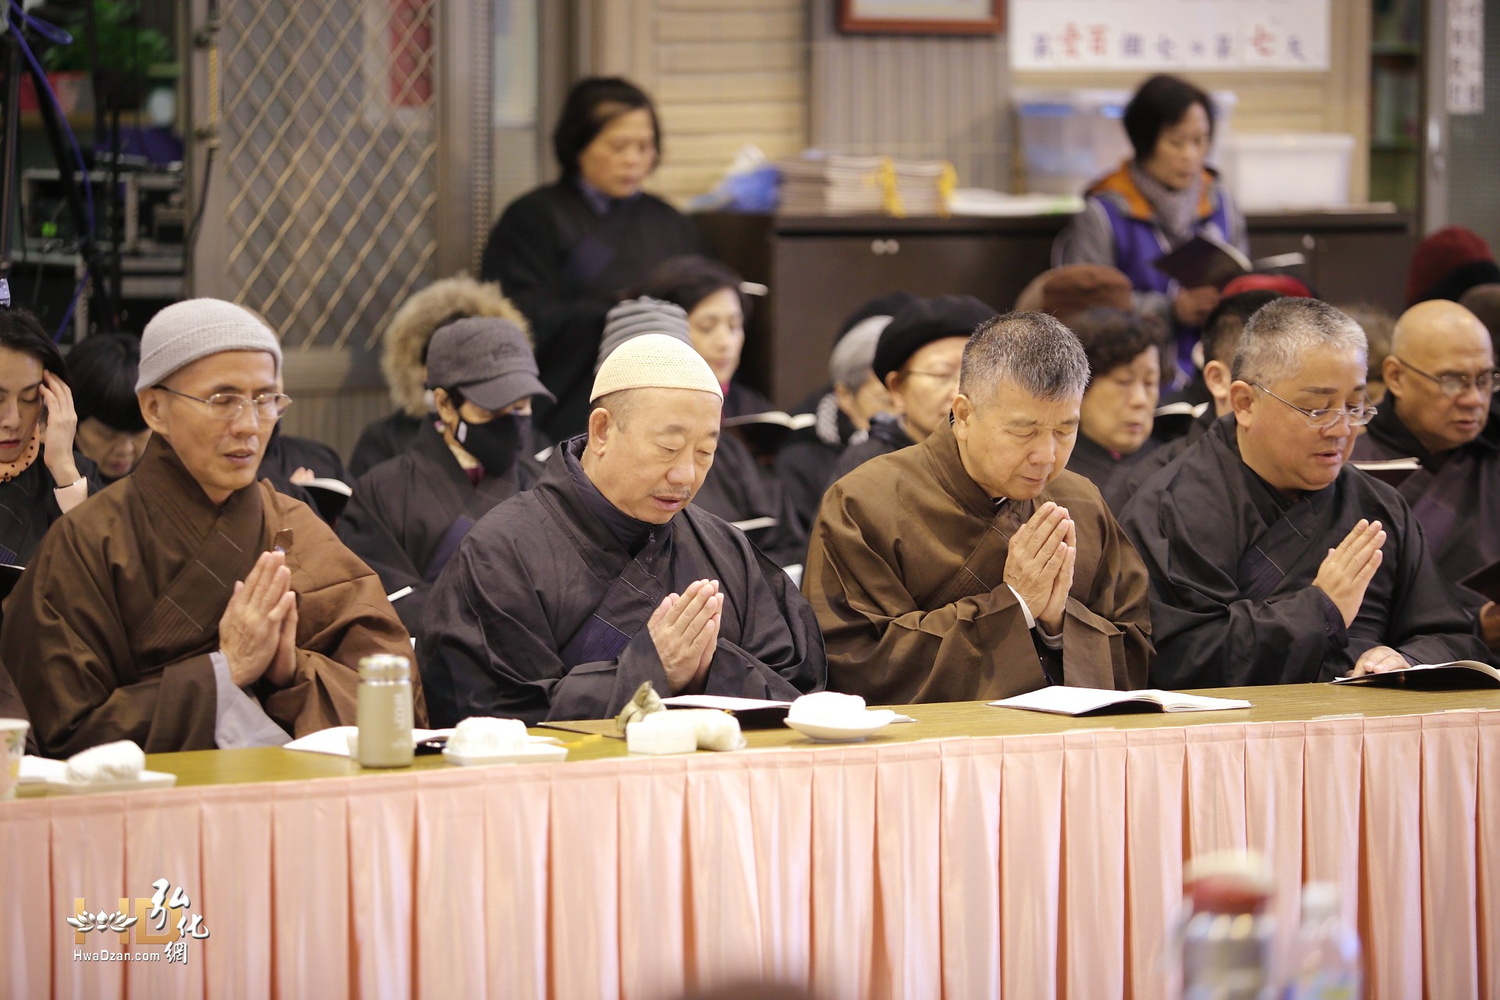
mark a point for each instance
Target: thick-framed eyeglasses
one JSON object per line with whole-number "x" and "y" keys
{"x": 227, "y": 406}
{"x": 1454, "y": 386}
{"x": 1326, "y": 418}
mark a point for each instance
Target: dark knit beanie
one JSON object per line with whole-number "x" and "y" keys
{"x": 924, "y": 321}
{"x": 888, "y": 304}
{"x": 1448, "y": 263}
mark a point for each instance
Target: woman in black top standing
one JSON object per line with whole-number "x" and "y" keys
{"x": 566, "y": 251}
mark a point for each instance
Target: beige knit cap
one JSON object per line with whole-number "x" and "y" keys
{"x": 654, "y": 361}
{"x": 186, "y": 331}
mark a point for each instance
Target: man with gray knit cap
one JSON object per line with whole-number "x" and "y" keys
{"x": 564, "y": 599}
{"x": 190, "y": 607}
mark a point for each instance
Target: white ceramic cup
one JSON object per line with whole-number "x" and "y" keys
{"x": 12, "y": 749}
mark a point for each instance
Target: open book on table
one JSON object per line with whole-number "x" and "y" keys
{"x": 1456, "y": 675}
{"x": 1060, "y": 699}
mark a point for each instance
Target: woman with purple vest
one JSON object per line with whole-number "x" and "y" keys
{"x": 1155, "y": 202}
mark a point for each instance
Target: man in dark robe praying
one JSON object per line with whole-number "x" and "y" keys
{"x": 188, "y": 606}
{"x": 564, "y": 599}
{"x": 737, "y": 488}
{"x": 409, "y": 513}
{"x": 1271, "y": 561}
{"x": 973, "y": 565}
{"x": 1440, "y": 380}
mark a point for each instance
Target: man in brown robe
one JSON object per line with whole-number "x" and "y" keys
{"x": 974, "y": 565}
{"x": 190, "y": 606}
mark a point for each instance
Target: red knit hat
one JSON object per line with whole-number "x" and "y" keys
{"x": 1281, "y": 284}
{"x": 1439, "y": 255}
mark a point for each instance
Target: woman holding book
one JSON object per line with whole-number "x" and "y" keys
{"x": 1157, "y": 201}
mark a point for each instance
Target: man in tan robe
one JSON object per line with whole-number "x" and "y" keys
{"x": 190, "y": 606}
{"x": 974, "y": 565}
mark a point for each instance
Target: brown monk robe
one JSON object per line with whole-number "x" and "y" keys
{"x": 109, "y": 632}
{"x": 905, "y": 574}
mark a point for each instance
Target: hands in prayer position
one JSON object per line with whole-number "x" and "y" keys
{"x": 258, "y": 632}
{"x": 1348, "y": 569}
{"x": 1039, "y": 565}
{"x": 1344, "y": 576}
{"x": 685, "y": 629}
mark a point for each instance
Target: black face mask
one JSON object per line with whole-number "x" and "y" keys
{"x": 497, "y": 442}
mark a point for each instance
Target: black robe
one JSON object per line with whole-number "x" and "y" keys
{"x": 28, "y": 507}
{"x": 384, "y": 438}
{"x": 738, "y": 489}
{"x": 1101, "y": 467}
{"x": 285, "y": 454}
{"x": 1165, "y": 452}
{"x": 1232, "y": 562}
{"x": 807, "y": 457}
{"x": 409, "y": 514}
{"x": 740, "y": 400}
{"x": 1455, "y": 495}
{"x": 542, "y": 613}
{"x": 886, "y": 435}
{"x": 564, "y": 265}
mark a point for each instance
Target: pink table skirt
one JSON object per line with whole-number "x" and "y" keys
{"x": 1028, "y": 867}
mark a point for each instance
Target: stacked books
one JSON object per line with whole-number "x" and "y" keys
{"x": 831, "y": 184}
{"x": 828, "y": 184}
{"x": 923, "y": 186}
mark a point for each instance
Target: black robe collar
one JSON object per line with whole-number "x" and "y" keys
{"x": 1388, "y": 429}
{"x": 584, "y": 498}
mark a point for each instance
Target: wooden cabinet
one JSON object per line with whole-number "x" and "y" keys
{"x": 819, "y": 269}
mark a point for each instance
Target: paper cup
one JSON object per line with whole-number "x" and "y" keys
{"x": 12, "y": 749}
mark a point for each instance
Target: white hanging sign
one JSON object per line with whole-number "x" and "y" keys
{"x": 1169, "y": 35}
{"x": 1466, "y": 57}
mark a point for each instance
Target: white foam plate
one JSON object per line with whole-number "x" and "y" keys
{"x": 148, "y": 779}
{"x": 540, "y": 753}
{"x": 822, "y": 732}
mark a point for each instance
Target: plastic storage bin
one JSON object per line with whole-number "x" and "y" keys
{"x": 1070, "y": 138}
{"x": 1294, "y": 170}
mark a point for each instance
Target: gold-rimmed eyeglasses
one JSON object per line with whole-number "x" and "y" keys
{"x": 227, "y": 406}
{"x": 1328, "y": 417}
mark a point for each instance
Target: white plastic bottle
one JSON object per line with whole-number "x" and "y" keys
{"x": 1325, "y": 958}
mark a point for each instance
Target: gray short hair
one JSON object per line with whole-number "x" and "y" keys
{"x": 1031, "y": 349}
{"x": 850, "y": 363}
{"x": 1281, "y": 332}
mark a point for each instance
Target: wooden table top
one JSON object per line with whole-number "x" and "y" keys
{"x": 1288, "y": 703}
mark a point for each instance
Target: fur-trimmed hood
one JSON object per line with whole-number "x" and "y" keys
{"x": 405, "y": 339}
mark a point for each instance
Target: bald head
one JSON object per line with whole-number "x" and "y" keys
{"x": 1439, "y": 350}
{"x": 1428, "y": 326}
